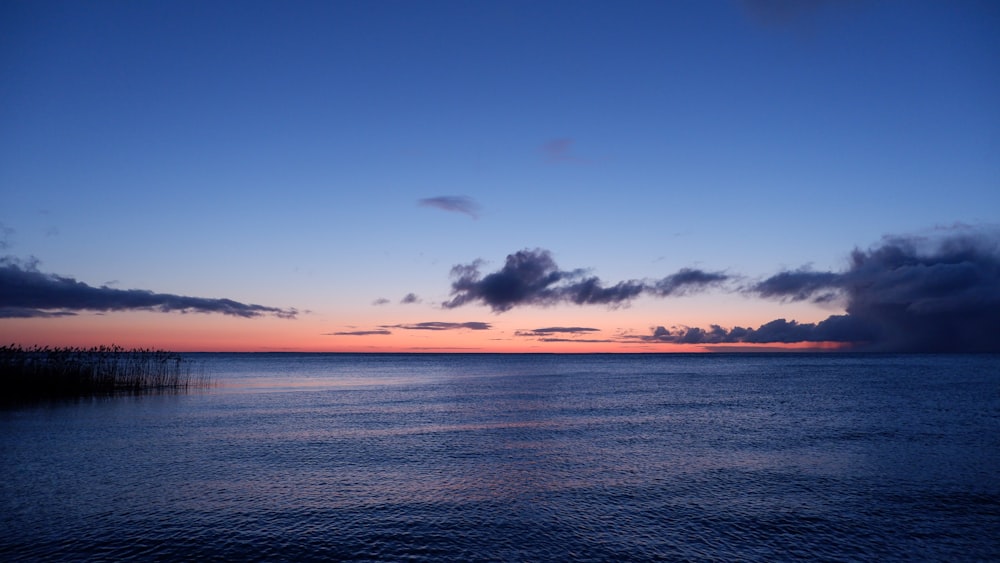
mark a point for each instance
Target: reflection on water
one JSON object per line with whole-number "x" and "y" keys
{"x": 296, "y": 457}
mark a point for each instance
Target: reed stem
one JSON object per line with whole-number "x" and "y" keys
{"x": 50, "y": 373}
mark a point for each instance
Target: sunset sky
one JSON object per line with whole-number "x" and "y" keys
{"x": 501, "y": 176}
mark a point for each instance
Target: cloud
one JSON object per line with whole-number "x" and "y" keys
{"x": 580, "y": 340}
{"x": 687, "y": 280}
{"x": 435, "y": 325}
{"x": 556, "y": 330}
{"x": 409, "y": 298}
{"x": 787, "y": 12}
{"x": 938, "y": 294}
{"x": 28, "y": 313}
{"x": 906, "y": 294}
{"x": 934, "y": 293}
{"x": 381, "y": 301}
{"x": 26, "y": 291}
{"x": 545, "y": 334}
{"x": 531, "y": 277}
{"x": 358, "y": 333}
{"x": 560, "y": 150}
{"x": 6, "y": 233}
{"x": 837, "y": 328}
{"x": 799, "y": 285}
{"x": 454, "y": 203}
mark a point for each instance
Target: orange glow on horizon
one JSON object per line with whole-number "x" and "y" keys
{"x": 204, "y": 341}
{"x": 315, "y": 333}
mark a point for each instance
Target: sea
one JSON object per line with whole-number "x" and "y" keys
{"x": 481, "y": 457}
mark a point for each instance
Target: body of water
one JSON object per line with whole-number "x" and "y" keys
{"x": 518, "y": 458}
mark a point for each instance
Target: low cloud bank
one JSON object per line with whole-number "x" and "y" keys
{"x": 26, "y": 292}
{"x": 531, "y": 277}
{"x": 836, "y": 328}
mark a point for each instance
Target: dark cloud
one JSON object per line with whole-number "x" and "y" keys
{"x": 837, "y": 328}
{"x": 556, "y": 330}
{"x": 358, "y": 333}
{"x": 28, "y": 313}
{"x": 410, "y": 298}
{"x": 686, "y": 335}
{"x": 799, "y": 285}
{"x": 526, "y": 277}
{"x": 454, "y": 203}
{"x": 531, "y": 277}
{"x": 381, "y": 301}
{"x": 24, "y": 289}
{"x": 436, "y": 325}
{"x": 687, "y": 280}
{"x": 907, "y": 294}
{"x": 933, "y": 296}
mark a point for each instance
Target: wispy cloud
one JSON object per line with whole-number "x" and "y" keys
{"x": 29, "y": 313}
{"x": 453, "y": 203}
{"x": 409, "y": 299}
{"x": 531, "y": 277}
{"x": 24, "y": 290}
{"x": 546, "y": 334}
{"x": 359, "y": 333}
{"x": 788, "y": 12}
{"x": 437, "y": 325}
{"x": 547, "y": 331}
{"x": 6, "y": 234}
{"x": 578, "y": 340}
{"x": 381, "y": 301}
{"x": 560, "y": 150}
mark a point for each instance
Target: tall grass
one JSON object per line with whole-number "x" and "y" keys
{"x": 50, "y": 373}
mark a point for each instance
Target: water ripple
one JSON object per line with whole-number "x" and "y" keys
{"x": 585, "y": 459}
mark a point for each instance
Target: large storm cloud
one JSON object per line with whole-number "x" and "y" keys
{"x": 907, "y": 294}
{"x": 27, "y": 292}
{"x": 912, "y": 294}
{"x": 531, "y": 277}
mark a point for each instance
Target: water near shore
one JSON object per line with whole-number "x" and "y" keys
{"x": 492, "y": 457}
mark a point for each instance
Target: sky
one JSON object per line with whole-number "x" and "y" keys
{"x": 516, "y": 176}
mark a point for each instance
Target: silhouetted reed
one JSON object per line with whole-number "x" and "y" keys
{"x": 51, "y": 373}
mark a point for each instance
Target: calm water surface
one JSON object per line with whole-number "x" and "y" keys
{"x": 541, "y": 458}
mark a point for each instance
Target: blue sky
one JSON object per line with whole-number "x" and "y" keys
{"x": 276, "y": 153}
